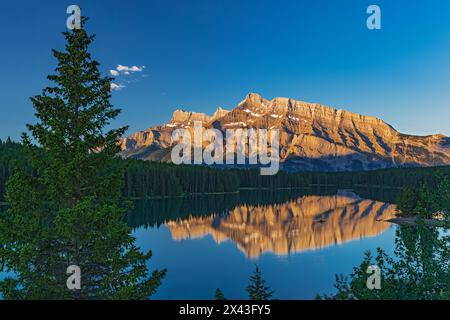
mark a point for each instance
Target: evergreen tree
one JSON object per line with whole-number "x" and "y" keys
{"x": 424, "y": 203}
{"x": 407, "y": 201}
{"x": 419, "y": 270}
{"x": 257, "y": 289}
{"x": 219, "y": 295}
{"x": 441, "y": 196}
{"x": 68, "y": 212}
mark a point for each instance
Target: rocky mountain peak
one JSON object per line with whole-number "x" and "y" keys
{"x": 256, "y": 100}
{"x": 182, "y": 116}
{"x": 220, "y": 112}
{"x": 312, "y": 136}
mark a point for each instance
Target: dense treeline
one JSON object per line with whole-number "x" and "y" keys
{"x": 431, "y": 200}
{"x": 385, "y": 178}
{"x": 9, "y": 153}
{"x": 393, "y": 178}
{"x": 252, "y": 178}
{"x": 152, "y": 179}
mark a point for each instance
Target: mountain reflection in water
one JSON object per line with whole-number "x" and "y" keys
{"x": 305, "y": 223}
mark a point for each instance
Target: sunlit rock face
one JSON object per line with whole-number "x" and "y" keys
{"x": 308, "y": 223}
{"x": 312, "y": 136}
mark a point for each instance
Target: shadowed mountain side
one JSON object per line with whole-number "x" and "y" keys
{"x": 307, "y": 223}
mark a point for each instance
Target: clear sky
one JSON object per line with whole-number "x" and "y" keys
{"x": 199, "y": 55}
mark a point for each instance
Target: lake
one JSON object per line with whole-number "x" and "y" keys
{"x": 299, "y": 239}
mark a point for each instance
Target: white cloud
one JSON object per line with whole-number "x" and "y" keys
{"x": 121, "y": 68}
{"x": 116, "y": 87}
{"x": 121, "y": 71}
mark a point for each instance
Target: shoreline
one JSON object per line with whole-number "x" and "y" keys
{"x": 412, "y": 221}
{"x": 216, "y": 193}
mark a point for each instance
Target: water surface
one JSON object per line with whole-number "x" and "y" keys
{"x": 300, "y": 240}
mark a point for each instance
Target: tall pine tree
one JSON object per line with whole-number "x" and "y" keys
{"x": 257, "y": 289}
{"x": 68, "y": 212}
{"x": 219, "y": 295}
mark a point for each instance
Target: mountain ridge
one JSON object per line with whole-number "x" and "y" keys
{"x": 312, "y": 136}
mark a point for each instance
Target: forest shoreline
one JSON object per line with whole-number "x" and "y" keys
{"x": 309, "y": 187}
{"x": 412, "y": 221}
{"x": 214, "y": 193}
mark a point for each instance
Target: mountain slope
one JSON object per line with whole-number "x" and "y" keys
{"x": 312, "y": 136}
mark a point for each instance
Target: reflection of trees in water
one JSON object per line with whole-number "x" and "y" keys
{"x": 300, "y": 223}
{"x": 420, "y": 268}
{"x": 378, "y": 193}
{"x": 153, "y": 213}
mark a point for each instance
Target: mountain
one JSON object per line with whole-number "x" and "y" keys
{"x": 313, "y": 137}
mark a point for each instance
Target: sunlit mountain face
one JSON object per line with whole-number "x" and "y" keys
{"x": 306, "y": 223}
{"x": 313, "y": 137}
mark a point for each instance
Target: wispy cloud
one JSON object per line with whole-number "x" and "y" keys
{"x": 116, "y": 87}
{"x": 124, "y": 75}
{"x": 126, "y": 69}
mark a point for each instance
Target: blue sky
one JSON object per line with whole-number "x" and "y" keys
{"x": 199, "y": 55}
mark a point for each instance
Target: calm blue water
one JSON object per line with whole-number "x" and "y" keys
{"x": 300, "y": 241}
{"x": 300, "y": 244}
